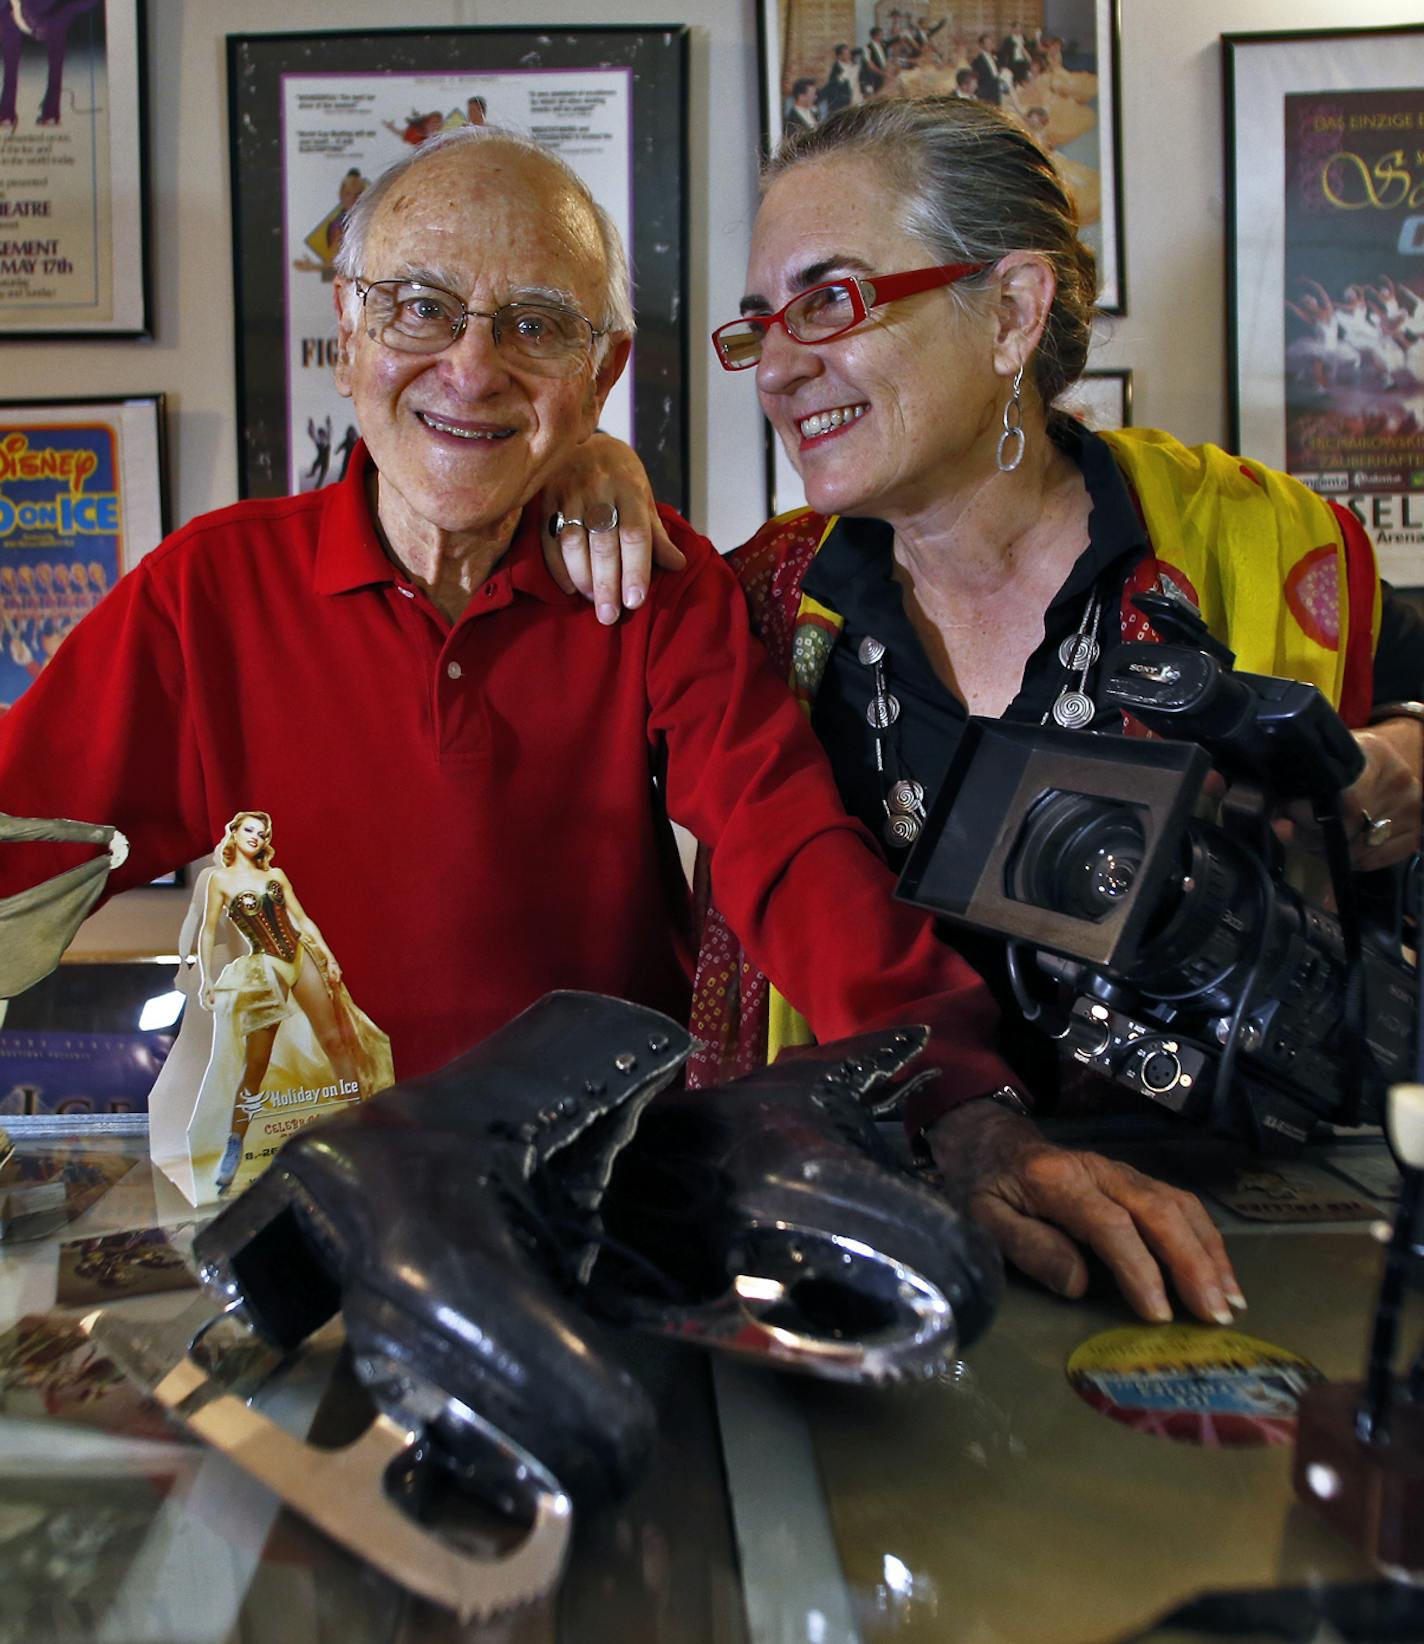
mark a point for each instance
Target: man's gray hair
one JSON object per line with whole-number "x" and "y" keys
{"x": 618, "y": 290}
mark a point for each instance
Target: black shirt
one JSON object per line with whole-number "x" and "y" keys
{"x": 853, "y": 575}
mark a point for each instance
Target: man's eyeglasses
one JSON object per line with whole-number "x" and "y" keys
{"x": 826, "y": 311}
{"x": 424, "y": 319}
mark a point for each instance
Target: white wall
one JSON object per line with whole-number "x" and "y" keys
{"x": 1173, "y": 336}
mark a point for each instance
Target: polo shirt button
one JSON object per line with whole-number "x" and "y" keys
{"x": 489, "y": 590}
{"x": 408, "y": 592}
{"x": 453, "y": 669}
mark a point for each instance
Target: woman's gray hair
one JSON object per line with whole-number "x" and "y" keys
{"x": 618, "y": 290}
{"x": 975, "y": 186}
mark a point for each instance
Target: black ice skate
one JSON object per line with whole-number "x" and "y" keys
{"x": 767, "y": 1218}
{"x": 422, "y": 1216}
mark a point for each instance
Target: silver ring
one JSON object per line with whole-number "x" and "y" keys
{"x": 1377, "y": 830}
{"x": 603, "y": 516}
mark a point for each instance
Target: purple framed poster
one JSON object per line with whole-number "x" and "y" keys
{"x": 1325, "y": 270}
{"x": 73, "y": 252}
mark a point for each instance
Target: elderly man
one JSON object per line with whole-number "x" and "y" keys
{"x": 469, "y": 778}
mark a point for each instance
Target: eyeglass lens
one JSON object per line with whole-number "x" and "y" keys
{"x": 811, "y": 317}
{"x": 423, "y": 319}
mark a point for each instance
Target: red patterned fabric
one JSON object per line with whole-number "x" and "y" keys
{"x": 730, "y": 996}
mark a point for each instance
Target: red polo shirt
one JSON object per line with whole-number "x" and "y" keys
{"x": 474, "y": 812}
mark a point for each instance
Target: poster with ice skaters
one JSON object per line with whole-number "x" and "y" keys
{"x": 341, "y": 131}
{"x": 271, "y": 1039}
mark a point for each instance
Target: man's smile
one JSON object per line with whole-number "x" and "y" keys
{"x": 463, "y": 431}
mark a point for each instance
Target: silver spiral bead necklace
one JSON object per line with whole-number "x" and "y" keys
{"x": 902, "y": 796}
{"x": 1074, "y": 708}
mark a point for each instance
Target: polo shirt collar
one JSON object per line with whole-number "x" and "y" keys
{"x": 349, "y": 553}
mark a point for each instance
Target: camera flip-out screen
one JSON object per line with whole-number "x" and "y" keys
{"x": 1057, "y": 838}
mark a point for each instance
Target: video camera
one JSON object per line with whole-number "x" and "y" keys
{"x": 1173, "y": 943}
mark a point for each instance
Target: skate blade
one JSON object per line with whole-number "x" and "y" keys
{"x": 342, "y": 1491}
{"x": 825, "y": 1305}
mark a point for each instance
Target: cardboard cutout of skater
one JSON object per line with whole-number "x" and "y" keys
{"x": 276, "y": 1040}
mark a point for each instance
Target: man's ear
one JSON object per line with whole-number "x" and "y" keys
{"x": 345, "y": 338}
{"x": 1027, "y": 286}
{"x": 620, "y": 346}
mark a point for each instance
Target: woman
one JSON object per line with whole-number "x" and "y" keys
{"x": 977, "y": 538}
{"x": 288, "y": 982}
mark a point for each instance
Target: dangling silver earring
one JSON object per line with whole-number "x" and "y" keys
{"x": 1013, "y": 428}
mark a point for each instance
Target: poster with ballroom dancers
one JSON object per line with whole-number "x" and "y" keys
{"x": 1325, "y": 270}
{"x": 1353, "y": 306}
{"x": 276, "y": 1040}
{"x": 1051, "y": 65}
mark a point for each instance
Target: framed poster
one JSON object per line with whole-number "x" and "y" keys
{"x": 81, "y": 499}
{"x": 1051, "y": 64}
{"x": 1100, "y": 399}
{"x": 316, "y": 117}
{"x": 1325, "y": 270}
{"x": 73, "y": 255}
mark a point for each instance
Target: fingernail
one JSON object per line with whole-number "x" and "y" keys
{"x": 633, "y": 598}
{"x": 608, "y": 614}
{"x": 1216, "y": 1306}
{"x": 1237, "y": 1300}
{"x": 1159, "y": 1310}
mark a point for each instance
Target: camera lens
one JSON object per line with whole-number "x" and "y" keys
{"x": 1077, "y": 855}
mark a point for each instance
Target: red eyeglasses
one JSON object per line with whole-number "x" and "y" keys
{"x": 826, "y": 311}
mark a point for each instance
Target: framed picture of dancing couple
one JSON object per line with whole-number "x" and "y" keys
{"x": 315, "y": 118}
{"x": 1052, "y": 65}
{"x": 1325, "y": 270}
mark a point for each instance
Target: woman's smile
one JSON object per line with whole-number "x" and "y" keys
{"x": 820, "y": 425}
